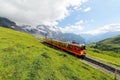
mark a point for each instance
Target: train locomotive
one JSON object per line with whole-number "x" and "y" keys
{"x": 77, "y": 49}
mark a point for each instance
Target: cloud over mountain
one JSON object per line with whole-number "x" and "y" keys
{"x": 104, "y": 29}
{"x": 76, "y": 28}
{"x": 35, "y": 12}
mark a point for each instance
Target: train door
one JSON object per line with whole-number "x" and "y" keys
{"x": 77, "y": 50}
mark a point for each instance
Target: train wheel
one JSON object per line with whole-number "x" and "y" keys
{"x": 82, "y": 57}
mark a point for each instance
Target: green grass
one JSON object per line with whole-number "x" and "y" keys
{"x": 110, "y": 44}
{"x": 103, "y": 56}
{"x": 22, "y": 57}
{"x": 107, "y": 50}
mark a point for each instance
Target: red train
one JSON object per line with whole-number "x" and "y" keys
{"x": 73, "y": 48}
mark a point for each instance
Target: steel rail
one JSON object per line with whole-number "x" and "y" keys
{"x": 103, "y": 65}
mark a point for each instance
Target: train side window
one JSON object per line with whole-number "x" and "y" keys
{"x": 59, "y": 43}
{"x": 55, "y": 42}
{"x": 69, "y": 47}
{"x": 63, "y": 44}
{"x": 77, "y": 48}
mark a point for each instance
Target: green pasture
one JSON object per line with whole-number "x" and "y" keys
{"x": 23, "y": 57}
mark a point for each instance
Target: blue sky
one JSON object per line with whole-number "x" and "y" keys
{"x": 71, "y": 16}
{"x": 102, "y": 12}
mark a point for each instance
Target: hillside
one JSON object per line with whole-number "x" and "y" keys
{"x": 107, "y": 50}
{"x": 111, "y": 44}
{"x": 22, "y": 57}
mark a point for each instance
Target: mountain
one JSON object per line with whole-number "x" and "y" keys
{"x": 6, "y": 22}
{"x": 10, "y": 24}
{"x": 49, "y": 31}
{"x": 54, "y": 32}
{"x": 42, "y": 30}
{"x": 98, "y": 37}
{"x": 70, "y": 37}
{"x": 110, "y": 44}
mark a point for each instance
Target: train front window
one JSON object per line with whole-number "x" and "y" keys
{"x": 82, "y": 47}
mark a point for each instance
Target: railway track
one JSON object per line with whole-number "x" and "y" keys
{"x": 98, "y": 64}
{"x": 105, "y": 67}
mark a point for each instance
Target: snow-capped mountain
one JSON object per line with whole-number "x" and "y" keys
{"x": 42, "y": 30}
{"x": 9, "y": 24}
{"x": 49, "y": 31}
{"x": 56, "y": 33}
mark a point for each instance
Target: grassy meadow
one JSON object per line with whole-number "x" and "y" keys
{"x": 107, "y": 51}
{"x": 22, "y": 57}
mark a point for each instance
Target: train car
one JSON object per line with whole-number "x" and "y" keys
{"x": 73, "y": 48}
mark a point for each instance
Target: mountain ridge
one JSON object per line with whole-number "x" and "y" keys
{"x": 110, "y": 44}
{"x": 42, "y": 30}
{"x": 98, "y": 37}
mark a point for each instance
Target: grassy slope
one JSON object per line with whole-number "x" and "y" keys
{"x": 107, "y": 50}
{"x": 22, "y": 57}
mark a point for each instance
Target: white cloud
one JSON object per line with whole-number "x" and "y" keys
{"x": 87, "y": 9}
{"x": 79, "y": 22}
{"x": 104, "y": 29}
{"x": 36, "y": 12}
{"x": 73, "y": 28}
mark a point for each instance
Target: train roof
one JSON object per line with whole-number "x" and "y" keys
{"x": 69, "y": 43}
